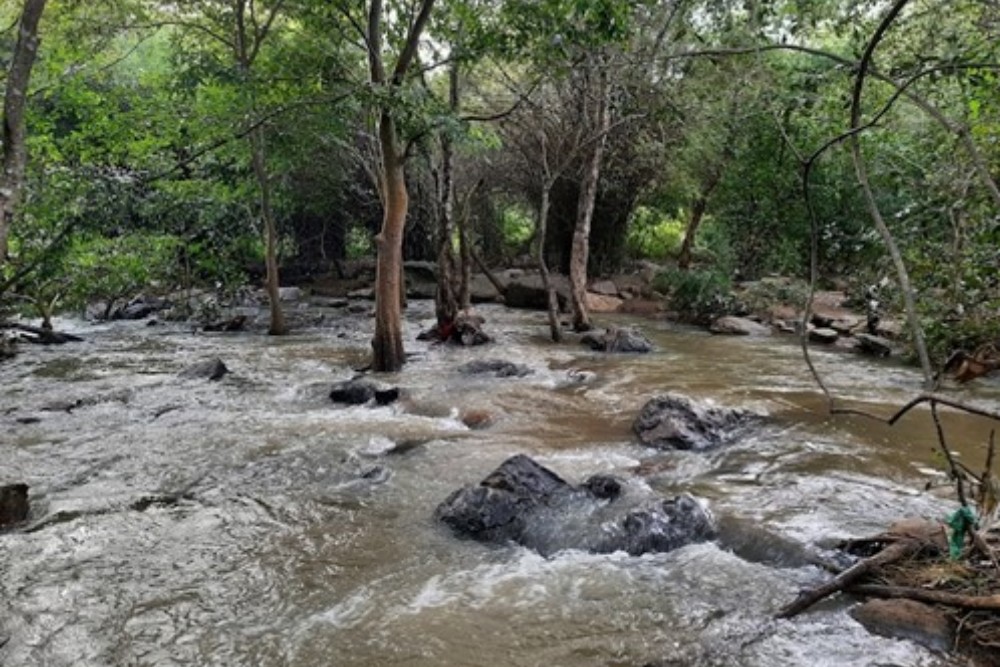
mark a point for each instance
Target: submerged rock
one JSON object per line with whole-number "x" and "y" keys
{"x": 526, "y": 503}
{"x": 617, "y": 340}
{"x": 672, "y": 421}
{"x": 907, "y": 619}
{"x": 210, "y": 369}
{"x": 496, "y": 367}
{"x": 13, "y": 504}
{"x": 359, "y": 392}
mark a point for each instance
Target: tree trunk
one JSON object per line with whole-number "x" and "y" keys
{"x": 387, "y": 345}
{"x": 277, "y": 327}
{"x": 446, "y": 301}
{"x": 694, "y": 221}
{"x": 15, "y": 154}
{"x": 543, "y": 269}
{"x": 585, "y": 207}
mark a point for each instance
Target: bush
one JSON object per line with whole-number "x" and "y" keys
{"x": 653, "y": 235}
{"x": 699, "y": 295}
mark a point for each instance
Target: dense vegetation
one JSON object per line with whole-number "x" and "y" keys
{"x": 174, "y": 144}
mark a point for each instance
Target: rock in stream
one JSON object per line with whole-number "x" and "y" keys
{"x": 526, "y": 503}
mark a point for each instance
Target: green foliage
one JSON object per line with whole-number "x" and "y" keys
{"x": 698, "y": 295}
{"x": 517, "y": 226}
{"x": 654, "y": 235}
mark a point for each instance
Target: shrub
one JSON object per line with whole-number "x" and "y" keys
{"x": 698, "y": 295}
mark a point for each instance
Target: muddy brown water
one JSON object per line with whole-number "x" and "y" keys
{"x": 250, "y": 522}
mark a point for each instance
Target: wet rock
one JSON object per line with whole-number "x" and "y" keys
{"x": 210, "y": 369}
{"x": 524, "y": 502}
{"x": 140, "y": 308}
{"x": 237, "y": 323}
{"x": 477, "y": 419}
{"x": 907, "y": 619}
{"x": 287, "y": 294}
{"x": 496, "y": 367}
{"x": 673, "y": 421}
{"x": 8, "y": 346}
{"x": 360, "y": 392}
{"x": 604, "y": 287}
{"x": 466, "y": 329}
{"x": 824, "y": 335}
{"x": 665, "y": 526}
{"x": 527, "y": 292}
{"x": 13, "y": 504}
{"x": 874, "y": 345}
{"x": 602, "y": 303}
{"x": 605, "y": 487}
{"x": 617, "y": 340}
{"x": 421, "y": 272}
{"x": 739, "y": 326}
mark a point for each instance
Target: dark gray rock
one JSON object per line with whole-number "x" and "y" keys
{"x": 617, "y": 340}
{"x": 527, "y": 292}
{"x": 360, "y": 392}
{"x": 673, "y": 421}
{"x": 13, "y": 504}
{"x": 495, "y": 367}
{"x": 874, "y": 345}
{"x": 524, "y": 502}
{"x": 824, "y": 335}
{"x": 665, "y": 526}
{"x": 210, "y": 369}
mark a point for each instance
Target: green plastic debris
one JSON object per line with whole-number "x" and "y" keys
{"x": 960, "y": 522}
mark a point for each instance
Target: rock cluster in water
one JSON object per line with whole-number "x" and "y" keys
{"x": 524, "y": 502}
{"x": 617, "y": 340}
{"x": 495, "y": 367}
{"x": 360, "y": 392}
{"x": 672, "y": 421}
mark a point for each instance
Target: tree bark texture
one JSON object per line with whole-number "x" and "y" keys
{"x": 598, "y": 92}
{"x": 277, "y": 326}
{"x": 387, "y": 345}
{"x": 246, "y": 49}
{"x": 698, "y": 209}
{"x": 446, "y": 303}
{"x": 543, "y": 270}
{"x": 15, "y": 154}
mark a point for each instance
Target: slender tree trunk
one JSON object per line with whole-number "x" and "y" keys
{"x": 246, "y": 49}
{"x": 15, "y": 154}
{"x": 543, "y": 214}
{"x": 387, "y": 345}
{"x": 446, "y": 303}
{"x": 277, "y": 327}
{"x": 580, "y": 254}
{"x": 465, "y": 253}
{"x": 697, "y": 215}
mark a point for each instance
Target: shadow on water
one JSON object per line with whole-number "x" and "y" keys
{"x": 250, "y": 522}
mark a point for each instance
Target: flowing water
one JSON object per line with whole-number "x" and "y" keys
{"x": 250, "y": 522}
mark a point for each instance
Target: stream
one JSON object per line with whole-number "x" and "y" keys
{"x": 251, "y": 522}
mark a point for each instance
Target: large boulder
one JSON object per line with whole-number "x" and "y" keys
{"x": 617, "y": 340}
{"x": 527, "y": 292}
{"x": 13, "y": 504}
{"x": 672, "y": 421}
{"x": 524, "y": 502}
{"x": 602, "y": 303}
{"x": 873, "y": 345}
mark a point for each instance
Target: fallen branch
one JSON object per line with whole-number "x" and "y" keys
{"x": 893, "y": 553}
{"x": 985, "y": 602}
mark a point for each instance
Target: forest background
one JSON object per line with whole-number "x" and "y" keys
{"x": 215, "y": 143}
